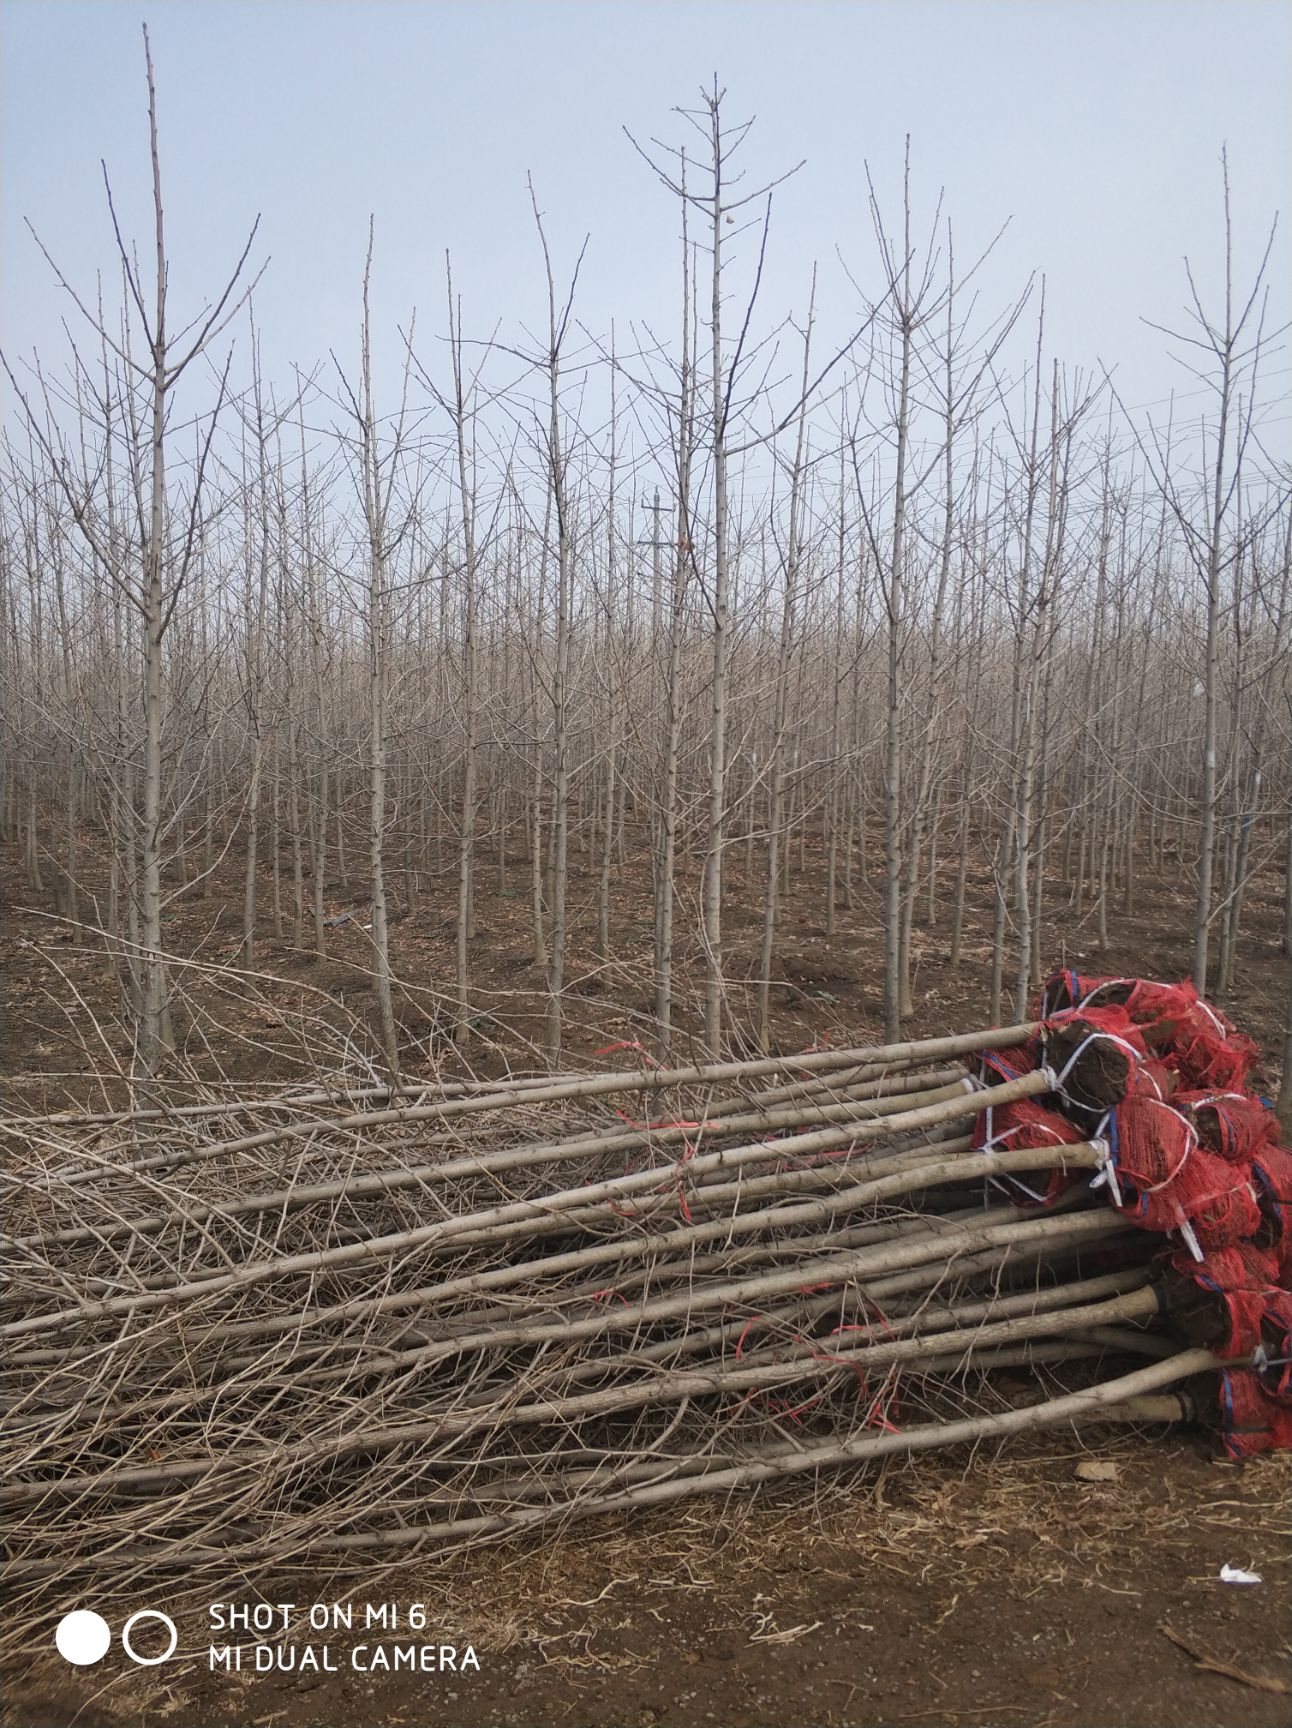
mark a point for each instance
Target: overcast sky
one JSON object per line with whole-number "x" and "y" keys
{"x": 1096, "y": 125}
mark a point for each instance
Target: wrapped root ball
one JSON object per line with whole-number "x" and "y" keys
{"x": 1209, "y": 1053}
{"x": 1219, "y": 1301}
{"x": 1028, "y": 1123}
{"x": 1094, "y": 1053}
{"x": 1232, "y": 1124}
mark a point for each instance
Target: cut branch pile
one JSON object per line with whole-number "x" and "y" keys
{"x": 339, "y": 1328}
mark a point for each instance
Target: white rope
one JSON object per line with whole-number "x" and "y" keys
{"x": 1106, "y": 1174}
{"x": 1104, "y": 984}
{"x": 1060, "y": 1084}
{"x": 1191, "y": 1140}
{"x": 1190, "y": 1240}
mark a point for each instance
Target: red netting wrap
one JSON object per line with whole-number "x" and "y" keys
{"x": 1228, "y": 1214}
{"x": 999, "y": 1067}
{"x": 1272, "y": 1179}
{"x": 1231, "y": 1124}
{"x": 1152, "y": 1079}
{"x": 1110, "y": 1023}
{"x": 1275, "y": 1363}
{"x": 1023, "y": 1123}
{"x": 1173, "y": 1181}
{"x": 1064, "y": 990}
{"x": 1244, "y": 1281}
{"x": 1094, "y": 1053}
{"x": 1209, "y": 1053}
{"x": 1157, "y": 1009}
{"x": 1162, "y": 1077}
{"x": 1251, "y": 1419}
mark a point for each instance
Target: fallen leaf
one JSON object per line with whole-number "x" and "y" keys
{"x": 1096, "y": 1470}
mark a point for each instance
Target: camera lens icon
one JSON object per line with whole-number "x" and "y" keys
{"x": 134, "y": 1620}
{"x": 82, "y": 1637}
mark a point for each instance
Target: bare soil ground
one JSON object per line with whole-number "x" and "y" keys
{"x": 825, "y": 989}
{"x": 996, "y": 1589}
{"x": 987, "y": 1589}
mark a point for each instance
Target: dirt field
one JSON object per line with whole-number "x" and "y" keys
{"x": 826, "y": 989}
{"x": 993, "y": 1589}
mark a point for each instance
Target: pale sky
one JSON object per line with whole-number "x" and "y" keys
{"x": 1096, "y": 126}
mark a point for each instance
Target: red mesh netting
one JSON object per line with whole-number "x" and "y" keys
{"x": 1163, "y": 1077}
{"x": 1276, "y": 1339}
{"x": 1026, "y": 1123}
{"x": 1173, "y": 1181}
{"x": 1245, "y": 1279}
{"x": 1272, "y": 1176}
{"x": 1109, "y": 1022}
{"x": 998, "y": 1067}
{"x": 1064, "y": 990}
{"x": 1209, "y": 1053}
{"x": 1094, "y": 1053}
{"x": 1152, "y": 1079}
{"x": 1251, "y": 1420}
{"x": 1157, "y": 1009}
{"x": 1231, "y": 1124}
{"x": 1230, "y": 1214}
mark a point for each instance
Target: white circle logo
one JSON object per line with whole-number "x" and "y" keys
{"x": 149, "y": 1614}
{"x": 83, "y": 1637}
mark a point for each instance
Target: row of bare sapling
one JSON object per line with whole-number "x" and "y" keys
{"x": 348, "y": 1328}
